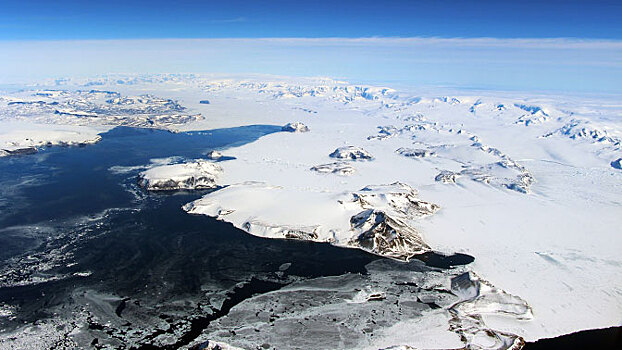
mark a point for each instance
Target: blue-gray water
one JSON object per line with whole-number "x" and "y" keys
{"x": 64, "y": 207}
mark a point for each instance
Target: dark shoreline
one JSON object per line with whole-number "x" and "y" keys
{"x": 606, "y": 338}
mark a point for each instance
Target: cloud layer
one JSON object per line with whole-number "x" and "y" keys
{"x": 526, "y": 64}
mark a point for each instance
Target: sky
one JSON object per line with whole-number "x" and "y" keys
{"x": 526, "y": 45}
{"x": 115, "y": 19}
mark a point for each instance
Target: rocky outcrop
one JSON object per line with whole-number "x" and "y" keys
{"x": 397, "y": 199}
{"x": 199, "y": 174}
{"x": 352, "y": 153}
{"x": 295, "y": 127}
{"x": 415, "y": 152}
{"x": 96, "y": 107}
{"x": 214, "y": 155}
{"x": 447, "y": 177}
{"x": 18, "y": 151}
{"x": 383, "y": 227}
{"x": 339, "y": 168}
{"x": 386, "y": 236}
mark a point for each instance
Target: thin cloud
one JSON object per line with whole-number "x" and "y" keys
{"x": 535, "y": 43}
{"x": 530, "y": 64}
{"x": 516, "y": 43}
{"x": 228, "y": 20}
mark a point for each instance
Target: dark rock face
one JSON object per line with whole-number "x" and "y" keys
{"x": 21, "y": 151}
{"x": 386, "y": 236}
{"x": 384, "y": 225}
{"x": 198, "y": 183}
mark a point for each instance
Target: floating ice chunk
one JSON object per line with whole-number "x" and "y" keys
{"x": 295, "y": 127}
{"x": 364, "y": 296}
{"x": 285, "y": 266}
{"x": 465, "y": 287}
{"x": 199, "y": 174}
{"x": 7, "y": 310}
{"x": 617, "y": 164}
{"x": 351, "y": 152}
{"x": 83, "y": 274}
{"x": 213, "y": 345}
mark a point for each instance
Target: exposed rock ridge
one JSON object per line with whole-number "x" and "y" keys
{"x": 199, "y": 174}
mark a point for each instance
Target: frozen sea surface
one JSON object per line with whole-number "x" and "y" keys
{"x": 75, "y": 232}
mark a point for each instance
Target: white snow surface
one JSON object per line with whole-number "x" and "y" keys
{"x": 536, "y": 199}
{"x": 537, "y": 206}
{"x": 20, "y": 135}
{"x": 199, "y": 174}
{"x": 34, "y": 118}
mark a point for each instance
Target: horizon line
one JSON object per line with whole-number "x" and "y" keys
{"x": 533, "y": 43}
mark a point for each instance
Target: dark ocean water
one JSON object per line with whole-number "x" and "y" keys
{"x": 63, "y": 208}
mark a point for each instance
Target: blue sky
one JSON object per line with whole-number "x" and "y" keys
{"x": 547, "y": 45}
{"x": 114, "y": 19}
